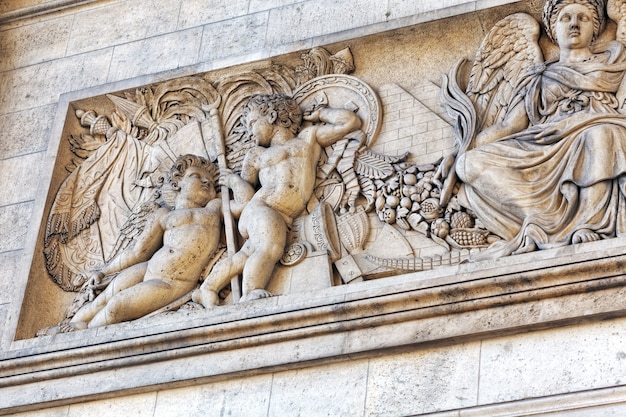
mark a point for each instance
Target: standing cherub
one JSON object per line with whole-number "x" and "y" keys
{"x": 284, "y": 163}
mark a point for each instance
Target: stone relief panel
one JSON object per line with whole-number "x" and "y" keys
{"x": 211, "y": 190}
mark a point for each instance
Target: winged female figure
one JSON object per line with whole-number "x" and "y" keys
{"x": 543, "y": 161}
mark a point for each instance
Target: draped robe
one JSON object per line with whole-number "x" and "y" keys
{"x": 567, "y": 171}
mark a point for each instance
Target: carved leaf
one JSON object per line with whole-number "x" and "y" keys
{"x": 460, "y": 108}
{"x": 368, "y": 190}
{"x": 83, "y": 145}
{"x": 375, "y": 165}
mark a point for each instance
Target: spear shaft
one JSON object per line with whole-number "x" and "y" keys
{"x": 212, "y": 130}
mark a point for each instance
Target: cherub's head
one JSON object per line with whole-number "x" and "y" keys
{"x": 184, "y": 162}
{"x": 280, "y": 108}
{"x": 193, "y": 177}
{"x": 552, "y": 8}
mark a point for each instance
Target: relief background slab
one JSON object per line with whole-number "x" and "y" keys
{"x": 360, "y": 322}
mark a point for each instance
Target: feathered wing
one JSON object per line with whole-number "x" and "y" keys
{"x": 502, "y": 62}
{"x": 616, "y": 9}
{"x": 133, "y": 226}
{"x": 506, "y": 54}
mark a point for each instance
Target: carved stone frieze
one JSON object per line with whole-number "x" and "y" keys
{"x": 309, "y": 188}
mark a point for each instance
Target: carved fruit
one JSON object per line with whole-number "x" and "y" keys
{"x": 406, "y": 202}
{"x": 469, "y": 237}
{"x": 387, "y": 215}
{"x": 380, "y": 202}
{"x": 440, "y": 228}
{"x": 392, "y": 201}
{"x": 409, "y": 190}
{"x": 461, "y": 220}
{"x": 431, "y": 209}
{"x": 410, "y": 179}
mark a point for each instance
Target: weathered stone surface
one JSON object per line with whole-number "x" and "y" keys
{"x": 121, "y": 22}
{"x": 331, "y": 390}
{"x": 329, "y": 17}
{"x": 19, "y": 186}
{"x": 39, "y": 85}
{"x": 237, "y": 397}
{"x": 25, "y": 132}
{"x": 137, "y": 405}
{"x": 543, "y": 363}
{"x": 33, "y": 44}
{"x": 197, "y": 13}
{"x": 15, "y": 219}
{"x": 423, "y": 382}
{"x": 9, "y": 267}
{"x": 221, "y": 40}
{"x": 160, "y": 53}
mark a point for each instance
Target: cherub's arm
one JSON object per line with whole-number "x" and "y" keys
{"x": 337, "y": 124}
{"x": 515, "y": 121}
{"x": 242, "y": 190}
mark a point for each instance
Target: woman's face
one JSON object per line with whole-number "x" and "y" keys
{"x": 574, "y": 27}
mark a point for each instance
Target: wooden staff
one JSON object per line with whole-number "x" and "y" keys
{"x": 214, "y": 141}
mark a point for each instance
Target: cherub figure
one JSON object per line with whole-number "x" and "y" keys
{"x": 547, "y": 168}
{"x": 283, "y": 163}
{"x": 169, "y": 256}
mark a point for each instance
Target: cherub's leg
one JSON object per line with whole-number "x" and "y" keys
{"x": 127, "y": 278}
{"x": 268, "y": 236}
{"x": 137, "y": 301}
{"x": 219, "y": 277}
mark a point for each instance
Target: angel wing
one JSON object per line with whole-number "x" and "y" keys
{"x": 133, "y": 226}
{"x": 505, "y": 56}
{"x": 616, "y": 9}
{"x": 508, "y": 51}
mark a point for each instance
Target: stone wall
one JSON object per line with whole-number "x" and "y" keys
{"x": 560, "y": 353}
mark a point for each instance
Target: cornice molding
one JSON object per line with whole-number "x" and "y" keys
{"x": 469, "y": 302}
{"x": 35, "y": 10}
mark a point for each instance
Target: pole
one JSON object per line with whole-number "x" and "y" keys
{"x": 216, "y": 148}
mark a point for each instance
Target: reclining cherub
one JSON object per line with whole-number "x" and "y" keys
{"x": 168, "y": 258}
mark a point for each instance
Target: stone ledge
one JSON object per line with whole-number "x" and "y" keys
{"x": 49, "y": 6}
{"x": 467, "y": 302}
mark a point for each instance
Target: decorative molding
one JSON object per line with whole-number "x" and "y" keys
{"x": 50, "y": 6}
{"x": 567, "y": 286}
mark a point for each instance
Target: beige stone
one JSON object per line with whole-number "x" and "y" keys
{"x": 249, "y": 397}
{"x": 16, "y": 217}
{"x": 543, "y": 363}
{"x": 196, "y": 12}
{"x": 39, "y": 85}
{"x": 222, "y": 39}
{"x": 26, "y": 131}
{"x": 420, "y": 383}
{"x": 336, "y": 390}
{"x": 33, "y": 44}
{"x": 161, "y": 53}
{"x": 120, "y": 23}
{"x": 530, "y": 334}
{"x": 18, "y": 186}
{"x": 137, "y": 405}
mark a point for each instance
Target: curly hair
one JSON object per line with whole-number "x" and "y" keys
{"x": 288, "y": 112}
{"x": 189, "y": 161}
{"x": 552, "y": 8}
